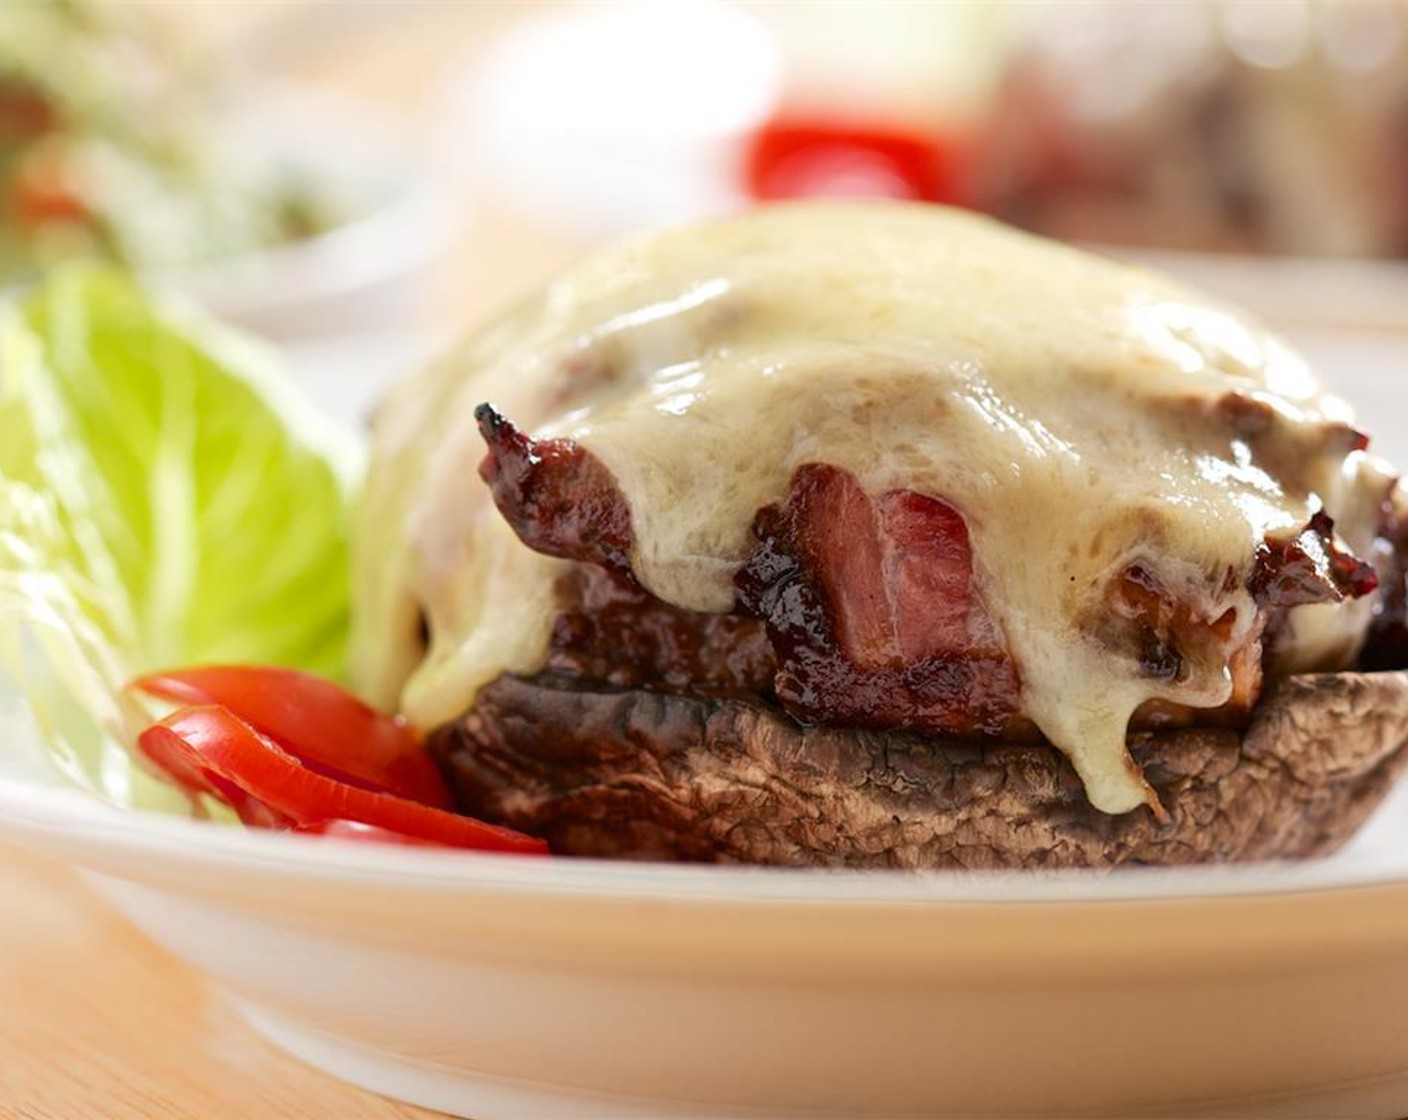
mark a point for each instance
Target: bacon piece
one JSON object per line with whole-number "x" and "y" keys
{"x": 1168, "y": 629}
{"x": 1387, "y": 644}
{"x": 1309, "y": 567}
{"x": 1254, "y": 419}
{"x": 614, "y": 631}
{"x": 1139, "y": 595}
{"x": 857, "y": 609}
{"x": 562, "y": 500}
{"x": 870, "y": 606}
{"x": 559, "y": 498}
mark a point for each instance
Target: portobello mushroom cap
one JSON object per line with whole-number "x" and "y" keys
{"x": 630, "y": 773}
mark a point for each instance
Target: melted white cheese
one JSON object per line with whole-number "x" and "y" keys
{"x": 1059, "y": 401}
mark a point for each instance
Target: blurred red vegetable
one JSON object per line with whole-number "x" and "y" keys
{"x": 811, "y": 157}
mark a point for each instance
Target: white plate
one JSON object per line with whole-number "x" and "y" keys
{"x": 507, "y": 989}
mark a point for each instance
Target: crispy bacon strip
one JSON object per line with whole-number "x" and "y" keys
{"x": 870, "y": 605}
{"x": 1166, "y": 632}
{"x": 560, "y": 498}
{"x": 858, "y": 609}
{"x": 1310, "y": 567}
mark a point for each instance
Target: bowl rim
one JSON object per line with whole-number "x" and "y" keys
{"x": 44, "y": 817}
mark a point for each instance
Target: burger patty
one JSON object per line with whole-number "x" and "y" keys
{"x": 632, "y": 773}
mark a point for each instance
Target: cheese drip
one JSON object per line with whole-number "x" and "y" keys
{"x": 1064, "y": 404}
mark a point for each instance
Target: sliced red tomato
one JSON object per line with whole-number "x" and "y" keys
{"x": 271, "y": 787}
{"x": 175, "y": 758}
{"x": 322, "y": 725}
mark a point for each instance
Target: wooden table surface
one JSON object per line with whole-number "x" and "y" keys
{"x": 95, "y": 1021}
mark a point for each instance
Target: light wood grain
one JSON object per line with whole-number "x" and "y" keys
{"x": 95, "y": 1021}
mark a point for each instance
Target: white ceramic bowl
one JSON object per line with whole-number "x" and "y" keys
{"x": 373, "y": 273}
{"x": 509, "y": 989}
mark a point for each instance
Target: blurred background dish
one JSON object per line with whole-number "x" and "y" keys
{"x": 373, "y": 272}
{"x": 116, "y": 143}
{"x": 1218, "y": 127}
{"x": 1256, "y": 149}
{"x": 746, "y": 102}
{"x": 123, "y": 139}
{"x": 607, "y": 118}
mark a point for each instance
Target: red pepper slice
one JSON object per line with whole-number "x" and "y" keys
{"x": 322, "y": 725}
{"x": 273, "y": 788}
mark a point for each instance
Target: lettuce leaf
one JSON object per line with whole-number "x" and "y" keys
{"x": 165, "y": 499}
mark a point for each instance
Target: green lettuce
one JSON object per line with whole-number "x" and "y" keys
{"x": 166, "y": 499}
